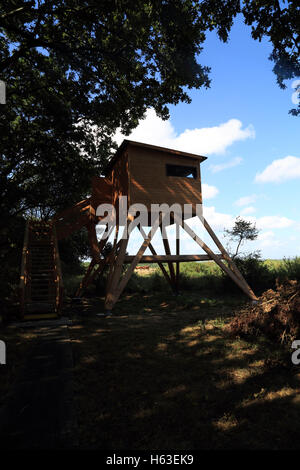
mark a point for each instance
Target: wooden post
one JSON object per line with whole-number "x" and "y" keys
{"x": 92, "y": 271}
{"x": 116, "y": 265}
{"x": 245, "y": 288}
{"x": 226, "y": 256}
{"x": 115, "y": 293}
{"x": 95, "y": 252}
{"x": 168, "y": 252}
{"x": 23, "y": 286}
{"x": 160, "y": 264}
{"x": 85, "y": 281}
{"x": 112, "y": 260}
{"x": 177, "y": 253}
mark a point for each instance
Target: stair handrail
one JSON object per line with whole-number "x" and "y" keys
{"x": 58, "y": 273}
{"x": 24, "y": 269}
{"x": 67, "y": 220}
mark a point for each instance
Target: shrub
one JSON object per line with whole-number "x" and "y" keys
{"x": 290, "y": 269}
{"x": 256, "y": 272}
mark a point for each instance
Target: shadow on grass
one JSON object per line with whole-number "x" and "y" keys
{"x": 159, "y": 376}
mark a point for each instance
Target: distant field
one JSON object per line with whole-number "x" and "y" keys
{"x": 201, "y": 276}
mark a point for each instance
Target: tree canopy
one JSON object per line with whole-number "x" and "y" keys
{"x": 72, "y": 64}
{"x": 76, "y": 70}
{"x": 69, "y": 65}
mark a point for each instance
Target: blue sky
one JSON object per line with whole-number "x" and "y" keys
{"x": 242, "y": 125}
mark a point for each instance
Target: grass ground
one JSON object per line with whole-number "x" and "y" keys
{"x": 162, "y": 373}
{"x": 17, "y": 343}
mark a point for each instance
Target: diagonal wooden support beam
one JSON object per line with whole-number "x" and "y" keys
{"x": 112, "y": 259}
{"x": 92, "y": 269}
{"x": 85, "y": 280}
{"x": 226, "y": 256}
{"x": 117, "y": 261}
{"x": 99, "y": 270}
{"x": 245, "y": 288}
{"x": 105, "y": 236}
{"x": 177, "y": 253}
{"x": 168, "y": 252}
{"x": 95, "y": 249}
{"x": 153, "y": 251}
{"x": 115, "y": 294}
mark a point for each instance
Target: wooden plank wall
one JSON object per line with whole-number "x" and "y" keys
{"x": 101, "y": 191}
{"x": 149, "y": 183}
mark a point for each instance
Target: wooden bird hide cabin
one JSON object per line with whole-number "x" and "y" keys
{"x": 147, "y": 175}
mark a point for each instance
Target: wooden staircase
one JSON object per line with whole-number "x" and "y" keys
{"x": 41, "y": 288}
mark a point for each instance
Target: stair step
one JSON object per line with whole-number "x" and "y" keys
{"x": 41, "y": 316}
{"x": 41, "y": 254}
{"x": 43, "y": 262}
{"x": 40, "y": 285}
{"x": 43, "y": 299}
{"x": 36, "y": 262}
{"x": 45, "y": 259}
{"x": 41, "y": 275}
{"x": 41, "y": 249}
{"x": 40, "y": 307}
{"x": 38, "y": 278}
{"x": 37, "y": 288}
{"x": 44, "y": 271}
{"x": 40, "y": 291}
{"x": 43, "y": 293}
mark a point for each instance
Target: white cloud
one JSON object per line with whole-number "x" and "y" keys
{"x": 268, "y": 239}
{"x": 218, "y": 220}
{"x": 273, "y": 221}
{"x": 209, "y": 191}
{"x": 280, "y": 170}
{"x": 248, "y": 210}
{"x": 244, "y": 201}
{"x": 205, "y": 140}
{"x": 224, "y": 166}
{"x": 266, "y": 235}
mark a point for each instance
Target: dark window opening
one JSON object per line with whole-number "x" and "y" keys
{"x": 183, "y": 171}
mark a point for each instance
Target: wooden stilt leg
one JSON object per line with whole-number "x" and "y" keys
{"x": 177, "y": 253}
{"x": 112, "y": 260}
{"x": 245, "y": 288}
{"x": 117, "y": 261}
{"x": 92, "y": 270}
{"x": 153, "y": 251}
{"x": 93, "y": 241}
{"x": 99, "y": 270}
{"x": 84, "y": 281}
{"x": 168, "y": 252}
{"x": 226, "y": 256}
{"x": 105, "y": 236}
{"x": 110, "y": 302}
